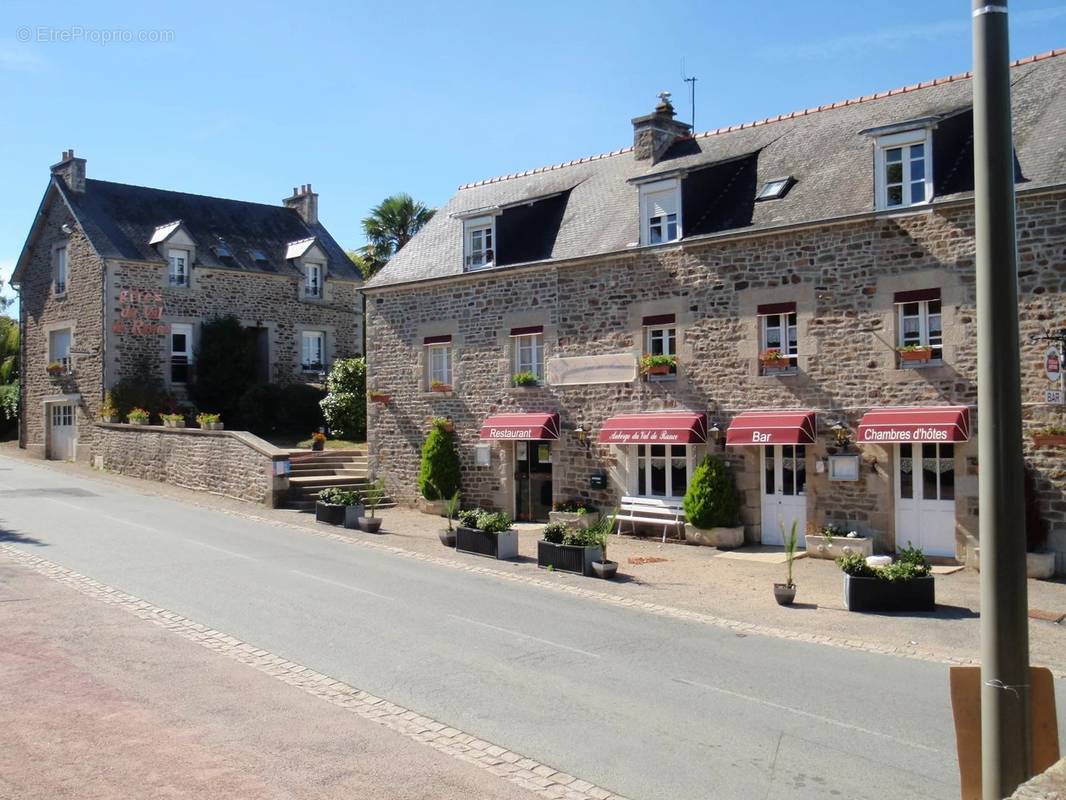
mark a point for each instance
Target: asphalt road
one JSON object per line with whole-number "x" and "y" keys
{"x": 649, "y": 707}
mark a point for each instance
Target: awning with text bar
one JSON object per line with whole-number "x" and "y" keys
{"x": 521, "y": 427}
{"x": 665, "y": 427}
{"x": 915, "y": 424}
{"x": 771, "y": 427}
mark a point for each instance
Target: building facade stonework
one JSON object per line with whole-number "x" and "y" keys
{"x": 833, "y": 277}
{"x": 100, "y": 300}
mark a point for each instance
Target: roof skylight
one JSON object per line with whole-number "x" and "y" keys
{"x": 775, "y": 189}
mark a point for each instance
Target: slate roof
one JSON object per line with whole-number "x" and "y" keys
{"x": 119, "y": 220}
{"x": 821, "y": 148}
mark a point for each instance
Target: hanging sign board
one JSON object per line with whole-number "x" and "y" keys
{"x": 1053, "y": 365}
{"x": 578, "y": 370}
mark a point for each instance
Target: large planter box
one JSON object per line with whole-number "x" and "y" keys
{"x": 567, "y": 557}
{"x": 1040, "y": 566}
{"x": 724, "y": 538}
{"x": 823, "y": 547}
{"x": 1049, "y": 440}
{"x": 494, "y": 545}
{"x": 435, "y": 507}
{"x": 327, "y": 512}
{"x": 877, "y": 594}
{"x": 574, "y": 520}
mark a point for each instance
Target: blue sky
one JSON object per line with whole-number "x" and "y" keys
{"x": 247, "y": 100}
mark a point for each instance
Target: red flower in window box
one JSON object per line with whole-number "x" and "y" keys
{"x": 915, "y": 353}
{"x": 659, "y": 364}
{"x": 437, "y": 386}
{"x": 773, "y": 360}
{"x": 380, "y": 397}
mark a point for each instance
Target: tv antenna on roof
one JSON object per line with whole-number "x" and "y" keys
{"x": 691, "y": 81}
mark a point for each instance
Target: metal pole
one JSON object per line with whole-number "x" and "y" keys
{"x": 1005, "y": 746}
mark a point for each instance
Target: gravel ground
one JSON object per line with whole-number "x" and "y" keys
{"x": 700, "y": 579}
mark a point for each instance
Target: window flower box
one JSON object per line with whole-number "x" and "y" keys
{"x": 657, "y": 364}
{"x": 915, "y": 355}
{"x": 57, "y": 369}
{"x": 1049, "y": 438}
{"x": 380, "y": 397}
{"x": 524, "y": 380}
{"x": 568, "y": 557}
{"x": 774, "y": 361}
{"x": 441, "y": 388}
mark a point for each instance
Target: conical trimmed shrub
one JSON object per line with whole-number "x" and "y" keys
{"x": 439, "y": 476}
{"x": 711, "y": 499}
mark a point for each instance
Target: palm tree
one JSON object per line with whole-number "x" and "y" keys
{"x": 390, "y": 226}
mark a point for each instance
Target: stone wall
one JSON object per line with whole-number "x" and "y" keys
{"x": 230, "y": 463}
{"x": 81, "y": 310}
{"x": 843, "y": 278}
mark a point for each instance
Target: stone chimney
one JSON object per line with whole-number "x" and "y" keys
{"x": 71, "y": 170}
{"x": 305, "y": 202}
{"x": 654, "y": 133}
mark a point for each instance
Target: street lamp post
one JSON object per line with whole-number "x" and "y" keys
{"x": 1005, "y": 746}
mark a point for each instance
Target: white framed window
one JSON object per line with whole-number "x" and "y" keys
{"x": 904, "y": 166}
{"x": 660, "y": 212}
{"x": 177, "y": 267}
{"x": 180, "y": 352}
{"x": 479, "y": 247}
{"x": 919, "y": 325}
{"x": 59, "y": 344}
{"x": 662, "y": 470}
{"x": 313, "y": 280}
{"x": 60, "y": 270}
{"x": 779, "y": 331}
{"x": 438, "y": 364}
{"x": 528, "y": 351}
{"x": 660, "y": 339}
{"x": 313, "y": 351}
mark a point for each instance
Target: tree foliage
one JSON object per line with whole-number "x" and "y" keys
{"x": 344, "y": 405}
{"x": 142, "y": 387}
{"x": 226, "y": 361}
{"x": 9, "y": 350}
{"x": 711, "y": 499}
{"x": 439, "y": 476}
{"x": 389, "y": 226}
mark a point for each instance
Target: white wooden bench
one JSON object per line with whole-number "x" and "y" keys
{"x": 668, "y": 513}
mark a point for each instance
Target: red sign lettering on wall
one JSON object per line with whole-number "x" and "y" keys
{"x": 139, "y": 312}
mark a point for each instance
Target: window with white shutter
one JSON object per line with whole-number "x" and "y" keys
{"x": 660, "y": 212}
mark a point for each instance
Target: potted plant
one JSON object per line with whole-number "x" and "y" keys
{"x": 568, "y": 549}
{"x": 1050, "y": 436}
{"x": 353, "y": 507}
{"x": 486, "y": 533}
{"x": 785, "y": 593}
{"x": 56, "y": 369}
{"x": 380, "y": 397}
{"x": 108, "y": 411}
{"x": 440, "y": 386}
{"x": 318, "y": 441}
{"x": 524, "y": 379}
{"x": 914, "y": 353}
{"x": 904, "y": 585}
{"x": 711, "y": 506}
{"x": 773, "y": 360}
{"x": 329, "y": 507}
{"x": 209, "y": 422}
{"x": 832, "y": 540}
{"x": 439, "y": 472}
{"x": 137, "y": 416}
{"x": 173, "y": 420}
{"x": 372, "y": 497}
{"x": 451, "y": 506}
{"x": 574, "y": 514}
{"x": 659, "y": 364}
{"x": 601, "y": 533}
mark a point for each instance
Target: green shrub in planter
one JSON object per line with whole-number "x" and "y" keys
{"x": 493, "y": 521}
{"x": 711, "y": 499}
{"x": 555, "y": 532}
{"x": 468, "y": 517}
{"x": 439, "y": 476}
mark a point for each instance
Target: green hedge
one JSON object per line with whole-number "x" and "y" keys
{"x": 711, "y": 499}
{"x": 439, "y": 476}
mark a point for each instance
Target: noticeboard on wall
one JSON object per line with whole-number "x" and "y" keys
{"x": 844, "y": 467}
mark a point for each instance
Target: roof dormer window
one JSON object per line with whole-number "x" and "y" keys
{"x": 480, "y": 242}
{"x": 904, "y": 169}
{"x": 660, "y": 212}
{"x": 313, "y": 280}
{"x": 177, "y": 267}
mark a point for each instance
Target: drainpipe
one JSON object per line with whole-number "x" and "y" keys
{"x": 1005, "y": 745}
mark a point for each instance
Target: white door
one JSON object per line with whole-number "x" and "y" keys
{"x": 925, "y": 497}
{"x": 63, "y": 434}
{"x": 784, "y": 497}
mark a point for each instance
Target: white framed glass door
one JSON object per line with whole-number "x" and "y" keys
{"x": 925, "y": 497}
{"x": 784, "y": 492}
{"x": 62, "y": 434}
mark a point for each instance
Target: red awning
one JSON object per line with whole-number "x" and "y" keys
{"x": 771, "y": 427}
{"x": 521, "y": 427}
{"x": 666, "y": 427}
{"x": 916, "y": 424}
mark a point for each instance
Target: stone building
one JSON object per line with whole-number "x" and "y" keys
{"x": 114, "y": 277}
{"x": 811, "y": 274}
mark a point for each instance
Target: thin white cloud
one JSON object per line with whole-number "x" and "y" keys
{"x": 15, "y": 57}
{"x": 895, "y": 38}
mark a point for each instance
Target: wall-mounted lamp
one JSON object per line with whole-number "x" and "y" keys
{"x": 715, "y": 432}
{"x": 65, "y": 227}
{"x": 841, "y": 434}
{"x": 583, "y": 430}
